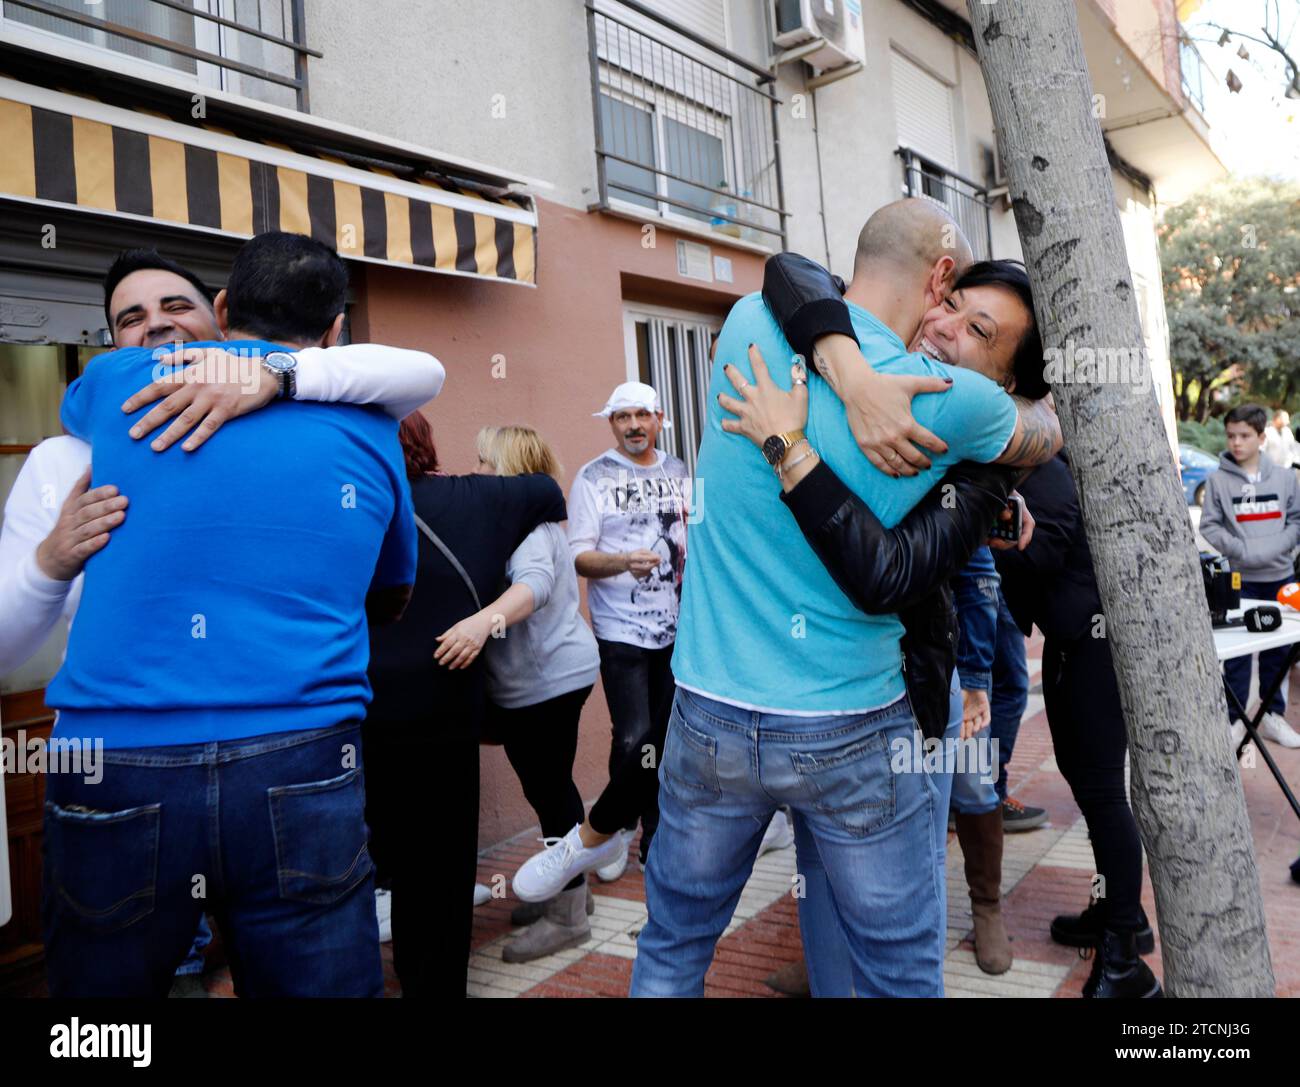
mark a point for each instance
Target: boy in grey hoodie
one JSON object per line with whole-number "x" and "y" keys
{"x": 1252, "y": 516}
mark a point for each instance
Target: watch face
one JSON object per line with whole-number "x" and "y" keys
{"x": 774, "y": 449}
{"x": 280, "y": 361}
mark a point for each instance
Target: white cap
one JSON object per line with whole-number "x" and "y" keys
{"x": 631, "y": 394}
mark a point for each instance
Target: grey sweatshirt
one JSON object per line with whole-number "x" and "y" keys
{"x": 553, "y": 651}
{"x": 1256, "y": 525}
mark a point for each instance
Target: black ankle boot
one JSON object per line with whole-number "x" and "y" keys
{"x": 1117, "y": 972}
{"x": 1084, "y": 929}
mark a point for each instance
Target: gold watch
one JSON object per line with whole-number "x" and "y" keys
{"x": 778, "y": 445}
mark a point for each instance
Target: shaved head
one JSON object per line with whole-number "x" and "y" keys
{"x": 908, "y": 236}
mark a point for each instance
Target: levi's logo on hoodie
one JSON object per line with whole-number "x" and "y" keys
{"x": 1249, "y": 506}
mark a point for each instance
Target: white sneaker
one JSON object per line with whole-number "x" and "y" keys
{"x": 482, "y": 894}
{"x": 544, "y": 874}
{"x": 779, "y": 834}
{"x": 607, "y": 873}
{"x": 1238, "y": 734}
{"x": 384, "y": 911}
{"x": 1274, "y": 727}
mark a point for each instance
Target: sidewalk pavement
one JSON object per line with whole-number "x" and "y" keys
{"x": 1045, "y": 872}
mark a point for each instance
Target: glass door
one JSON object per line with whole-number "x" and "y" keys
{"x": 33, "y": 378}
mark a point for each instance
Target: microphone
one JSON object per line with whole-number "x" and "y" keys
{"x": 1289, "y": 595}
{"x": 1263, "y": 619}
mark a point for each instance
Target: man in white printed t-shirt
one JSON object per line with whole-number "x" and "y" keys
{"x": 627, "y": 535}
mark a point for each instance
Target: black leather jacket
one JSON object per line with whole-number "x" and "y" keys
{"x": 904, "y": 569}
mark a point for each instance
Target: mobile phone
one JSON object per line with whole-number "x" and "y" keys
{"x": 1008, "y": 530}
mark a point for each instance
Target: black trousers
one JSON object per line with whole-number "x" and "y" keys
{"x": 541, "y": 742}
{"x": 639, "y": 688}
{"x": 1081, "y": 695}
{"x": 422, "y": 786}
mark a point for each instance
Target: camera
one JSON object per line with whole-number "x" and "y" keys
{"x": 1222, "y": 588}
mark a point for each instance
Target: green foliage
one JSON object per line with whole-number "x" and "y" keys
{"x": 1231, "y": 264}
{"x": 1209, "y": 436}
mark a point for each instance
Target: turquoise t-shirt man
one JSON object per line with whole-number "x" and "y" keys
{"x": 763, "y": 625}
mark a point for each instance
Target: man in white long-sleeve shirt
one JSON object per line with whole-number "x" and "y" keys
{"x": 53, "y": 523}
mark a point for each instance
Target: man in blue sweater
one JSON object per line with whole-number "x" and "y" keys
{"x": 219, "y": 657}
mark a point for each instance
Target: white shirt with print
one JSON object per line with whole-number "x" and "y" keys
{"x": 617, "y": 505}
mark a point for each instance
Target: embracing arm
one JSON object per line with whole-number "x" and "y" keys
{"x": 805, "y": 299}
{"x": 31, "y": 599}
{"x": 1037, "y": 437}
{"x": 885, "y": 570}
{"x": 397, "y": 380}
{"x": 881, "y": 570}
{"x": 211, "y": 391}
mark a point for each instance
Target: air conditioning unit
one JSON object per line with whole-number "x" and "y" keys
{"x": 827, "y": 34}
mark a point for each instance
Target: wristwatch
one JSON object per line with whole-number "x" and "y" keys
{"x": 283, "y": 366}
{"x": 778, "y": 445}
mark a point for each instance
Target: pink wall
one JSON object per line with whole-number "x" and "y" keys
{"x": 562, "y": 346}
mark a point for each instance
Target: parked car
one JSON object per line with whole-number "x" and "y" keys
{"x": 1194, "y": 465}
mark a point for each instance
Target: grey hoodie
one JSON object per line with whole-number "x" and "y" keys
{"x": 1255, "y": 525}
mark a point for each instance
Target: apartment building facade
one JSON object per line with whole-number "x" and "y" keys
{"x": 552, "y": 196}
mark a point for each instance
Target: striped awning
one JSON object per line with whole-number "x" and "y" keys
{"x": 65, "y": 150}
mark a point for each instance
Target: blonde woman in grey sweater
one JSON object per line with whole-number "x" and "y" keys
{"x": 542, "y": 662}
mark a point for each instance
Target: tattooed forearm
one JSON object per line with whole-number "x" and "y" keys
{"x": 1037, "y": 437}
{"x": 824, "y": 368}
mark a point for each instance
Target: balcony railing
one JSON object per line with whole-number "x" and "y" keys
{"x": 1193, "y": 69}
{"x": 968, "y": 202}
{"x": 255, "y": 48}
{"x": 685, "y": 130}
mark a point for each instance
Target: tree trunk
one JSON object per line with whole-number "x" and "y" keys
{"x": 1187, "y": 792}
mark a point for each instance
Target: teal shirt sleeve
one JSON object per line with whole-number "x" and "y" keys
{"x": 975, "y": 417}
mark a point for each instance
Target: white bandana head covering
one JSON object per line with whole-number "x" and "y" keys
{"x": 629, "y": 395}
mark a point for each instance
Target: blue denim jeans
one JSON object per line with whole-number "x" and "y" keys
{"x": 267, "y": 833}
{"x": 724, "y": 771}
{"x": 1010, "y": 690}
{"x": 824, "y": 947}
{"x": 961, "y": 781}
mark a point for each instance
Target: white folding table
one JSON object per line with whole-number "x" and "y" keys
{"x": 1230, "y": 642}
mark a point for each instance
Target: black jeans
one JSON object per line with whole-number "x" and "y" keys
{"x": 1081, "y": 696}
{"x": 639, "y": 688}
{"x": 422, "y": 786}
{"x": 541, "y": 742}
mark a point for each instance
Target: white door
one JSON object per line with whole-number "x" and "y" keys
{"x": 669, "y": 350}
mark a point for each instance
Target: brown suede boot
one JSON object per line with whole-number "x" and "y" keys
{"x": 981, "y": 845}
